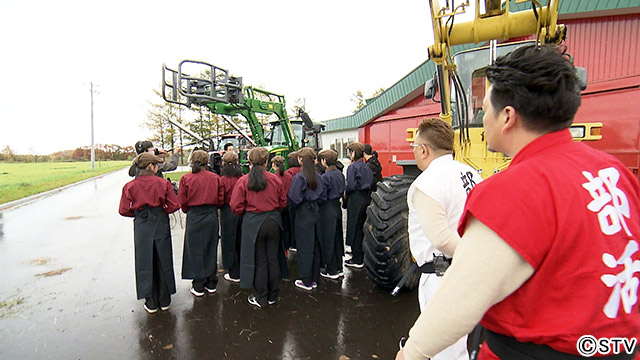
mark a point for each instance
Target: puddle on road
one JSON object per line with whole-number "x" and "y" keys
{"x": 54, "y": 272}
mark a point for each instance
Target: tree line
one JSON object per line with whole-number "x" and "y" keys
{"x": 102, "y": 152}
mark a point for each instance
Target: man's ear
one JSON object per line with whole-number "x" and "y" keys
{"x": 425, "y": 151}
{"x": 509, "y": 118}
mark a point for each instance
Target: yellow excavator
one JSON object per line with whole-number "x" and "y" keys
{"x": 460, "y": 79}
{"x": 460, "y": 85}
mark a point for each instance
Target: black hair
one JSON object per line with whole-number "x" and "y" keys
{"x": 226, "y": 146}
{"x": 357, "y": 153}
{"x": 367, "y": 149}
{"x": 231, "y": 170}
{"x": 257, "y": 181}
{"x": 196, "y": 167}
{"x": 280, "y": 167}
{"x": 293, "y": 162}
{"x": 540, "y": 82}
{"x": 309, "y": 172}
{"x": 143, "y": 146}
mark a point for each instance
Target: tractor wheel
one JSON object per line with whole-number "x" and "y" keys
{"x": 386, "y": 239}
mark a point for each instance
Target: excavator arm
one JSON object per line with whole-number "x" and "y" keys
{"x": 494, "y": 23}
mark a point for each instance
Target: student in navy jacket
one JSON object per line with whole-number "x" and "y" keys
{"x": 306, "y": 189}
{"x": 330, "y": 232}
{"x": 359, "y": 180}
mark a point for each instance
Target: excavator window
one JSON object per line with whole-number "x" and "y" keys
{"x": 471, "y": 66}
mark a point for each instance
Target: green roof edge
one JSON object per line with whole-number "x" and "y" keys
{"x": 417, "y": 77}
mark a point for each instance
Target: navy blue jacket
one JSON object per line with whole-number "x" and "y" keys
{"x": 299, "y": 192}
{"x": 359, "y": 177}
{"x": 334, "y": 185}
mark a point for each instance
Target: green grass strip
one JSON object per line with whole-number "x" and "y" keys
{"x": 19, "y": 180}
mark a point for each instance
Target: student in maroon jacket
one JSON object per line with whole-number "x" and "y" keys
{"x": 201, "y": 194}
{"x": 149, "y": 199}
{"x": 277, "y": 166}
{"x": 258, "y": 197}
{"x": 306, "y": 189}
{"x": 230, "y": 223}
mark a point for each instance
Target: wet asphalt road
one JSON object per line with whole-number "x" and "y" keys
{"x": 68, "y": 292}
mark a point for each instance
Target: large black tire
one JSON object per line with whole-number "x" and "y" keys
{"x": 386, "y": 239}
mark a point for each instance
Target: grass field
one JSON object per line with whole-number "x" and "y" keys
{"x": 18, "y": 180}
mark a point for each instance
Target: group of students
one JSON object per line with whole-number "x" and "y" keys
{"x": 262, "y": 215}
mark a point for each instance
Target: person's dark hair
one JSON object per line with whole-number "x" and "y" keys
{"x": 367, "y": 149}
{"x": 278, "y": 161}
{"x": 226, "y": 146}
{"x": 293, "y": 162}
{"x": 143, "y": 146}
{"x": 257, "y": 157}
{"x": 437, "y": 134}
{"x": 199, "y": 160}
{"x": 230, "y": 165}
{"x": 540, "y": 82}
{"x": 357, "y": 153}
{"x": 196, "y": 167}
{"x": 231, "y": 170}
{"x": 309, "y": 172}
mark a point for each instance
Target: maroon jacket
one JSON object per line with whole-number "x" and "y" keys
{"x": 271, "y": 198}
{"x": 229, "y": 183}
{"x": 201, "y": 188}
{"x": 147, "y": 190}
{"x": 288, "y": 177}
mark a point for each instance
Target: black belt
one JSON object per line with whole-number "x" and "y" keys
{"x": 438, "y": 266}
{"x": 506, "y": 347}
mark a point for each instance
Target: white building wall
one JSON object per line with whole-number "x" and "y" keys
{"x": 338, "y": 141}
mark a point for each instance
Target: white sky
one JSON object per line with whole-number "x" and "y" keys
{"x": 319, "y": 50}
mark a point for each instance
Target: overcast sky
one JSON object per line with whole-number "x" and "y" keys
{"x": 323, "y": 51}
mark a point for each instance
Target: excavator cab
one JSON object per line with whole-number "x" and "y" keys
{"x": 468, "y": 89}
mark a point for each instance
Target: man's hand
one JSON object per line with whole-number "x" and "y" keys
{"x": 177, "y": 149}
{"x": 400, "y": 355}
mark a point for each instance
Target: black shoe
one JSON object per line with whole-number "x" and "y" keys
{"x": 272, "y": 302}
{"x": 253, "y": 301}
{"x": 353, "y": 264}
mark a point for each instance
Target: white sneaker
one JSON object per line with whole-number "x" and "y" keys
{"x": 150, "y": 311}
{"x": 229, "y": 278}
{"x": 330, "y": 276}
{"x": 196, "y": 292}
{"x": 253, "y": 301}
{"x": 299, "y": 283}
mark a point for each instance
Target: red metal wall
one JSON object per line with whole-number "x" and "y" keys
{"x": 608, "y": 47}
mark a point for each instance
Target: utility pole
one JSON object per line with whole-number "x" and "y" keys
{"x": 93, "y": 150}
